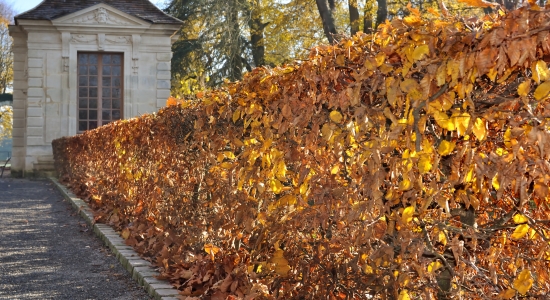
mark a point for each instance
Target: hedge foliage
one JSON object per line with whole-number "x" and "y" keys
{"x": 409, "y": 164}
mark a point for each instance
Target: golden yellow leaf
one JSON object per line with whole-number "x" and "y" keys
{"x": 524, "y": 88}
{"x": 405, "y": 185}
{"x": 407, "y": 215}
{"x": 523, "y": 282}
{"x": 211, "y": 249}
{"x": 280, "y": 172}
{"x": 408, "y": 85}
{"x": 367, "y": 269}
{"x": 285, "y": 201}
{"x": 508, "y": 138}
{"x": 281, "y": 264}
{"x": 445, "y": 148}
{"x": 420, "y": 52}
{"x": 501, "y": 152}
{"x": 480, "y": 129}
{"x": 507, "y": 294}
{"x": 460, "y": 121}
{"x": 443, "y": 121}
{"x": 226, "y": 165}
{"x": 380, "y": 58}
{"x": 495, "y": 183}
{"x": 442, "y": 238}
{"x": 303, "y": 188}
{"x": 470, "y": 175}
{"x": 425, "y": 163}
{"x": 236, "y": 115}
{"x": 540, "y": 71}
{"x": 412, "y": 20}
{"x": 519, "y": 219}
{"x": 335, "y": 169}
{"x": 404, "y": 295}
{"x": 341, "y": 60}
{"x": 441, "y": 75}
{"x": 542, "y": 91}
{"x": 336, "y": 116}
{"x": 327, "y": 131}
{"x": 434, "y": 266}
{"x": 520, "y": 231}
{"x": 276, "y": 186}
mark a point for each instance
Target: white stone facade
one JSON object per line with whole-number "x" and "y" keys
{"x": 45, "y": 73}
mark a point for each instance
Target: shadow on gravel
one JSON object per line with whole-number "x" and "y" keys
{"x": 47, "y": 251}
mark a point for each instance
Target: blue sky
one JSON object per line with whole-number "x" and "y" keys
{"x": 23, "y": 5}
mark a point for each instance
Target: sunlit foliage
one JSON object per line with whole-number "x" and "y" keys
{"x": 408, "y": 164}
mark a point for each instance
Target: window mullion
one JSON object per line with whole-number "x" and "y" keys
{"x": 99, "y": 89}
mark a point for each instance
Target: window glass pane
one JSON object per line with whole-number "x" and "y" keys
{"x": 82, "y": 125}
{"x": 106, "y": 70}
{"x": 116, "y": 59}
{"x": 106, "y": 93}
{"x": 116, "y": 103}
{"x": 83, "y": 80}
{"x": 93, "y": 70}
{"x": 106, "y": 103}
{"x": 93, "y": 80}
{"x": 83, "y": 58}
{"x": 106, "y": 81}
{"x": 82, "y": 70}
{"x": 116, "y": 71}
{"x": 91, "y": 112}
{"x": 83, "y": 114}
{"x": 116, "y": 114}
{"x": 116, "y": 93}
{"x": 106, "y": 115}
{"x": 82, "y": 103}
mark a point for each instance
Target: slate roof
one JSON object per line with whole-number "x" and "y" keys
{"x": 53, "y": 9}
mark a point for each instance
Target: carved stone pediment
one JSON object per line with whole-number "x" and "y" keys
{"x": 100, "y": 15}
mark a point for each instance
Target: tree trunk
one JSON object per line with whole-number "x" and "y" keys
{"x": 235, "y": 62}
{"x": 382, "y": 12}
{"x": 367, "y": 17}
{"x": 353, "y": 17}
{"x": 257, "y": 34}
{"x": 327, "y": 18}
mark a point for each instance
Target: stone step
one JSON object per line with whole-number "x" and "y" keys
{"x": 44, "y": 166}
{"x": 43, "y": 174}
{"x": 45, "y": 158}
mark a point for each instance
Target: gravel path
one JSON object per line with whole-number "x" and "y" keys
{"x": 48, "y": 252}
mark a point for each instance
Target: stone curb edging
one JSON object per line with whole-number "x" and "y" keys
{"x": 140, "y": 270}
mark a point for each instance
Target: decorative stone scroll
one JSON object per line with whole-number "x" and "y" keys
{"x": 100, "y": 16}
{"x": 120, "y": 40}
{"x": 83, "y": 39}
